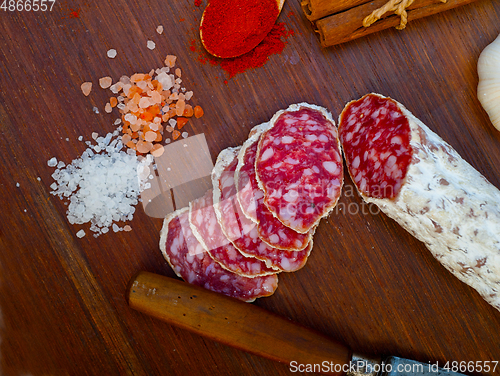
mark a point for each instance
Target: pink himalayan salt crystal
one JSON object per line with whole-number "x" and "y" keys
{"x": 170, "y": 61}
{"x": 105, "y": 82}
{"x": 131, "y": 118}
{"x": 150, "y": 136}
{"x": 144, "y": 102}
{"x": 157, "y": 150}
{"x": 156, "y": 97}
{"x": 126, "y": 138}
{"x": 180, "y": 106}
{"x": 144, "y": 146}
{"x": 86, "y": 88}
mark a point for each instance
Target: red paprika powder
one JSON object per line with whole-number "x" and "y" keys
{"x": 231, "y": 28}
{"x": 272, "y": 44}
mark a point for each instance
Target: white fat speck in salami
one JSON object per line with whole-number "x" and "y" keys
{"x": 299, "y": 166}
{"x": 178, "y": 244}
{"x": 251, "y": 200}
{"x": 233, "y": 222}
{"x": 207, "y": 231}
{"x": 420, "y": 181}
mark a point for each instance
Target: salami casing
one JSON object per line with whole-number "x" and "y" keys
{"x": 299, "y": 166}
{"x": 251, "y": 200}
{"x": 420, "y": 181}
{"x": 238, "y": 228}
{"x": 209, "y": 234}
{"x": 186, "y": 257}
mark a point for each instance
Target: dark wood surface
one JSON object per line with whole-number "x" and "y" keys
{"x": 368, "y": 283}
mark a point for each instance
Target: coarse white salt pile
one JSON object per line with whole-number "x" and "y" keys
{"x": 103, "y": 185}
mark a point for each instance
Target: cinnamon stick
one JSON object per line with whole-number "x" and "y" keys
{"x": 316, "y": 9}
{"x": 348, "y": 25}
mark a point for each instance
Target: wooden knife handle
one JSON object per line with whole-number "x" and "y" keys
{"x": 232, "y": 322}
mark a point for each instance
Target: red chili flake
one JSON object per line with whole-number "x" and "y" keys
{"x": 197, "y": 3}
{"x": 202, "y": 59}
{"x": 74, "y": 13}
{"x": 192, "y": 45}
{"x": 182, "y": 19}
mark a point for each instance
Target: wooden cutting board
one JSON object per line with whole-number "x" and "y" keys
{"x": 367, "y": 283}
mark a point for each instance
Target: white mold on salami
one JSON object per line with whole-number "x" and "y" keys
{"x": 250, "y": 198}
{"x": 299, "y": 166}
{"x": 441, "y": 200}
{"x": 182, "y": 251}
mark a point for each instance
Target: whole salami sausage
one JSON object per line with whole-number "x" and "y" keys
{"x": 420, "y": 181}
{"x": 299, "y": 166}
{"x": 186, "y": 257}
{"x": 240, "y": 230}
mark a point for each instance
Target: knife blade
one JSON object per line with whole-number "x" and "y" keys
{"x": 255, "y": 330}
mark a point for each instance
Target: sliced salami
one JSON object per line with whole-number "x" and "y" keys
{"x": 420, "y": 181}
{"x": 299, "y": 166}
{"x": 207, "y": 231}
{"x": 251, "y": 200}
{"x": 224, "y": 194}
{"x": 184, "y": 254}
{"x": 247, "y": 188}
{"x": 233, "y": 221}
{"x": 376, "y": 142}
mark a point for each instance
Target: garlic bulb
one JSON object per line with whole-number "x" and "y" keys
{"x": 488, "y": 89}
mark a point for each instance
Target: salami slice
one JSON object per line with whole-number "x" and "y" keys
{"x": 207, "y": 231}
{"x": 248, "y": 190}
{"x": 420, "y": 181}
{"x": 299, "y": 166}
{"x": 184, "y": 254}
{"x": 251, "y": 200}
{"x": 233, "y": 221}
